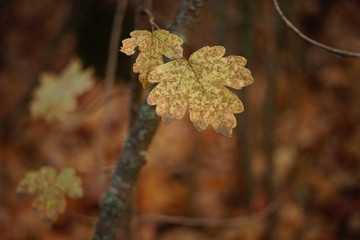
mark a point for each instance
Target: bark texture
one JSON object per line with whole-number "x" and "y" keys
{"x": 117, "y": 199}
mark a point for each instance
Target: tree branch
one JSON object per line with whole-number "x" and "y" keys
{"x": 188, "y": 12}
{"x": 336, "y": 51}
{"x": 118, "y": 198}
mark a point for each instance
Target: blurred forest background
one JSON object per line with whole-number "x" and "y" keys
{"x": 291, "y": 170}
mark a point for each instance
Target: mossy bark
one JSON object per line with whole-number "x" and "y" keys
{"x": 117, "y": 199}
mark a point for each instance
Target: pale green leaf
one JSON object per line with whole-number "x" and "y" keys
{"x": 56, "y": 96}
{"x": 50, "y": 188}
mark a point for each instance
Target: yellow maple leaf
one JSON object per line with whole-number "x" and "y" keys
{"x": 200, "y": 84}
{"x": 152, "y": 47}
{"x": 51, "y": 187}
{"x": 56, "y": 95}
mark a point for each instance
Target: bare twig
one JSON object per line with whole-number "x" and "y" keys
{"x": 151, "y": 17}
{"x": 136, "y": 90}
{"x": 336, "y": 51}
{"x": 207, "y": 222}
{"x": 104, "y": 171}
{"x": 245, "y": 140}
{"x": 269, "y": 120}
{"x": 103, "y": 100}
{"x": 71, "y": 21}
{"x": 109, "y": 81}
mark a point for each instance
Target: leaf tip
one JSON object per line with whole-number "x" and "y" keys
{"x": 227, "y": 132}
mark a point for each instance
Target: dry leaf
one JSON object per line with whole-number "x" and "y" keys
{"x": 152, "y": 47}
{"x": 51, "y": 188}
{"x": 200, "y": 84}
{"x": 56, "y": 96}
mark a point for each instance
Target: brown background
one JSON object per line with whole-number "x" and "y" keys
{"x": 296, "y": 147}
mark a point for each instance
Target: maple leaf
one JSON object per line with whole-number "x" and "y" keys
{"x": 152, "y": 47}
{"x": 56, "y": 96}
{"x": 51, "y": 187}
{"x": 200, "y": 84}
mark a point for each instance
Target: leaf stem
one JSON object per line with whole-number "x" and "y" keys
{"x": 151, "y": 19}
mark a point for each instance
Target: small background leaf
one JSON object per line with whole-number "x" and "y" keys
{"x": 56, "y": 97}
{"x": 69, "y": 183}
{"x": 51, "y": 188}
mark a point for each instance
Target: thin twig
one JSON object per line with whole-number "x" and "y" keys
{"x": 245, "y": 142}
{"x": 71, "y": 22}
{"x": 141, "y": 23}
{"x": 103, "y": 100}
{"x": 109, "y": 82}
{"x": 151, "y": 17}
{"x": 336, "y": 51}
{"x": 269, "y": 120}
{"x": 207, "y": 222}
{"x": 105, "y": 171}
